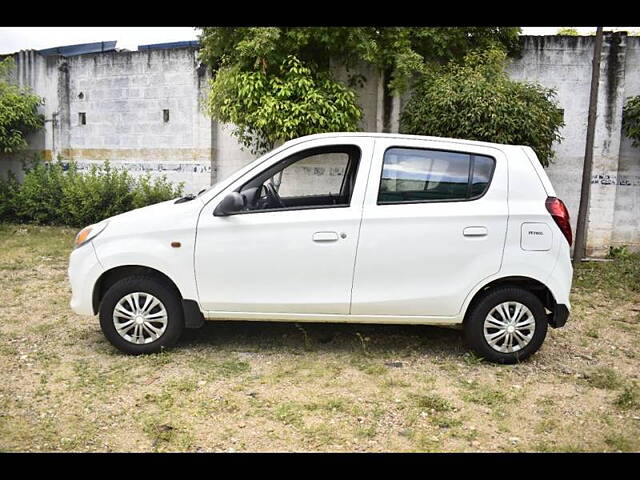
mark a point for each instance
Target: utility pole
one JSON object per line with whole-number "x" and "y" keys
{"x": 579, "y": 250}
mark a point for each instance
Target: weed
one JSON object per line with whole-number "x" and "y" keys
{"x": 620, "y": 443}
{"x": 592, "y": 332}
{"x": 433, "y": 402}
{"x": 483, "y": 394}
{"x": 288, "y": 413}
{"x": 604, "y": 377}
{"x": 363, "y": 342}
{"x": 307, "y": 342}
{"x": 629, "y": 397}
{"x": 472, "y": 359}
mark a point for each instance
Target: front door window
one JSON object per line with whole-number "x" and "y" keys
{"x": 316, "y": 178}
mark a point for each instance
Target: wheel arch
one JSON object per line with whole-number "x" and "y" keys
{"x": 113, "y": 275}
{"x": 193, "y": 317}
{"x": 539, "y": 289}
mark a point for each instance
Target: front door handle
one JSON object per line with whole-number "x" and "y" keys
{"x": 475, "y": 232}
{"x": 325, "y": 237}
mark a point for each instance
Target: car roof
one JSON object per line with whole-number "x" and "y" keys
{"x": 398, "y": 136}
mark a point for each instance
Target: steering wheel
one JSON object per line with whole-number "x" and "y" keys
{"x": 272, "y": 193}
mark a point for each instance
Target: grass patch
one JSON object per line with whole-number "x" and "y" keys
{"x": 233, "y": 367}
{"x": 445, "y": 421}
{"x": 211, "y": 367}
{"x": 367, "y": 366}
{"x": 618, "y": 278}
{"x": 548, "y": 425}
{"x": 604, "y": 378}
{"x": 320, "y": 436}
{"x": 35, "y": 244}
{"x": 433, "y": 402}
{"x": 629, "y": 397}
{"x": 621, "y": 443}
{"x": 329, "y": 405}
{"x": 484, "y": 394}
{"x": 165, "y": 436}
{"x": 289, "y": 413}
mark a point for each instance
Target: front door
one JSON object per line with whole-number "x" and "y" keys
{"x": 292, "y": 248}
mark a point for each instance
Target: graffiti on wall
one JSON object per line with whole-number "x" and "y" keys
{"x": 143, "y": 167}
{"x": 622, "y": 180}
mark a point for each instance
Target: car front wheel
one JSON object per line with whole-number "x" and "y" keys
{"x": 507, "y": 325}
{"x": 141, "y": 314}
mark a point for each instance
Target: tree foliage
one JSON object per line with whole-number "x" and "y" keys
{"x": 257, "y": 56}
{"x": 271, "y": 107}
{"x": 18, "y": 112}
{"x": 476, "y": 100}
{"x": 631, "y": 120}
{"x": 403, "y": 51}
{"x": 568, "y": 31}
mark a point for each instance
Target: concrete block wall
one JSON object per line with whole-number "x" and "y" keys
{"x": 626, "y": 220}
{"x": 564, "y": 63}
{"x": 123, "y": 95}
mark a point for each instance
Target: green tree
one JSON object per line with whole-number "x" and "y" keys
{"x": 267, "y": 108}
{"x": 398, "y": 53}
{"x": 478, "y": 101}
{"x": 569, "y": 31}
{"x": 18, "y": 111}
{"x": 631, "y": 120}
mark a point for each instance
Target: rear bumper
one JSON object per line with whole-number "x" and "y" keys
{"x": 559, "y": 316}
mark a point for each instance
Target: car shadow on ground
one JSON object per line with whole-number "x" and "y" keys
{"x": 274, "y": 337}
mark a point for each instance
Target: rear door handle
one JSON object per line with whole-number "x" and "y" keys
{"x": 325, "y": 236}
{"x": 475, "y": 232}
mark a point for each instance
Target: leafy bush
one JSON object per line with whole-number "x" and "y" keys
{"x": 631, "y": 120}
{"x": 478, "y": 101}
{"x": 618, "y": 252}
{"x": 8, "y": 188}
{"x": 59, "y": 194}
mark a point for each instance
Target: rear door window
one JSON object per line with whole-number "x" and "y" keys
{"x": 413, "y": 175}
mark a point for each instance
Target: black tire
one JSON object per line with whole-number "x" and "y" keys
{"x": 474, "y": 324}
{"x": 159, "y": 289}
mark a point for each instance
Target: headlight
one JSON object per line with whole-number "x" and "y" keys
{"x": 89, "y": 233}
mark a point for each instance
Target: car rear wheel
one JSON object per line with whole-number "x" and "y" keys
{"x": 507, "y": 325}
{"x": 141, "y": 314}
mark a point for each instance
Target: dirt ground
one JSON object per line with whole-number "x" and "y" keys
{"x": 245, "y": 386}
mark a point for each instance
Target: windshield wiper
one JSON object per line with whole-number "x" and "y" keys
{"x": 186, "y": 198}
{"x": 189, "y": 197}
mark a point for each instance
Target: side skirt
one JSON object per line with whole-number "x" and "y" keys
{"x": 331, "y": 318}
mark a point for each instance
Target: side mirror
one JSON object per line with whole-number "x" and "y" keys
{"x": 232, "y": 203}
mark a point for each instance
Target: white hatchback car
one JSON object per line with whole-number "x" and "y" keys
{"x": 342, "y": 227}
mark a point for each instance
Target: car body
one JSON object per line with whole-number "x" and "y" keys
{"x": 343, "y": 227}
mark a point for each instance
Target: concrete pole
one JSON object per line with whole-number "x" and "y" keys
{"x": 579, "y": 250}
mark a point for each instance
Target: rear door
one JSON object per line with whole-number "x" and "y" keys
{"x": 434, "y": 225}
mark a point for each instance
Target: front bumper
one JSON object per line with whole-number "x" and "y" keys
{"x": 84, "y": 271}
